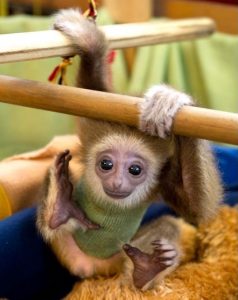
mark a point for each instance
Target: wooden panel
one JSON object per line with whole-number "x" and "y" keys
{"x": 225, "y": 16}
{"x": 55, "y": 4}
{"x": 233, "y": 2}
{"x": 125, "y": 11}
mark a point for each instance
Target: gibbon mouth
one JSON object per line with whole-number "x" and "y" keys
{"x": 117, "y": 195}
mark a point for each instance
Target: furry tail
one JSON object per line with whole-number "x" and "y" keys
{"x": 90, "y": 44}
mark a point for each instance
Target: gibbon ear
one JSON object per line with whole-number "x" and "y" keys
{"x": 189, "y": 181}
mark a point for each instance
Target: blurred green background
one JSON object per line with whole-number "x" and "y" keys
{"x": 206, "y": 68}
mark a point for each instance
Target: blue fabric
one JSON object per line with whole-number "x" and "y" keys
{"x": 29, "y": 270}
{"x": 227, "y": 158}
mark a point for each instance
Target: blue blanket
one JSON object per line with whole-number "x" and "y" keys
{"x": 29, "y": 270}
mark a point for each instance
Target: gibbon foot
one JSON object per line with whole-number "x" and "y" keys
{"x": 64, "y": 207}
{"x": 148, "y": 266}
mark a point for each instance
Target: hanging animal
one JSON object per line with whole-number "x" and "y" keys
{"x": 90, "y": 217}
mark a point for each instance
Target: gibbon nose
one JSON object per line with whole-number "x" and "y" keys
{"x": 117, "y": 183}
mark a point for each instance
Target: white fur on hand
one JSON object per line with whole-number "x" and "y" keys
{"x": 160, "y": 105}
{"x": 68, "y": 20}
{"x": 72, "y": 23}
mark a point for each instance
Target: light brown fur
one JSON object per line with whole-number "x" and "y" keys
{"x": 208, "y": 271}
{"x": 81, "y": 264}
{"x": 183, "y": 171}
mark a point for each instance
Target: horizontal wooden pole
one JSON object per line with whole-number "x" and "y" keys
{"x": 190, "y": 121}
{"x": 42, "y": 44}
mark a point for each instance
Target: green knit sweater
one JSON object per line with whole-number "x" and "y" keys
{"x": 118, "y": 225}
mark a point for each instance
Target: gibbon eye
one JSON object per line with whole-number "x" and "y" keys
{"x": 106, "y": 164}
{"x": 135, "y": 170}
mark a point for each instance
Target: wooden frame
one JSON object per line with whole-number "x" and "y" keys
{"x": 190, "y": 121}
{"x": 50, "y": 43}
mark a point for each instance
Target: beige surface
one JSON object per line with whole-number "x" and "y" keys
{"x": 22, "y": 176}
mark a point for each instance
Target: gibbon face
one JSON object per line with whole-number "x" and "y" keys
{"x": 122, "y": 168}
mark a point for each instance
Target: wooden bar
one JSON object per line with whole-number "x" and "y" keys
{"x": 42, "y": 44}
{"x": 190, "y": 121}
